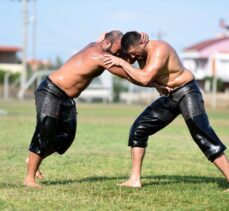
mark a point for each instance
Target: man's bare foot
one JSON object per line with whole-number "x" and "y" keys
{"x": 225, "y": 191}
{"x": 131, "y": 183}
{"x": 31, "y": 184}
{"x": 39, "y": 175}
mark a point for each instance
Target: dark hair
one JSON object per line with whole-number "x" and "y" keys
{"x": 112, "y": 36}
{"x": 130, "y": 39}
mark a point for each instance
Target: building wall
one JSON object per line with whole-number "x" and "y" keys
{"x": 11, "y": 67}
{"x": 222, "y": 66}
{"x": 8, "y": 57}
{"x": 101, "y": 88}
{"x": 199, "y": 67}
{"x": 9, "y": 62}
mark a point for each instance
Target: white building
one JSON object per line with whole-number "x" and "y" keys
{"x": 208, "y": 58}
{"x": 9, "y": 60}
{"x": 100, "y": 89}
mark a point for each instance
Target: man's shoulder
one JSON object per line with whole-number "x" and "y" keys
{"x": 99, "y": 51}
{"x": 157, "y": 47}
{"x": 159, "y": 44}
{"x": 90, "y": 47}
{"x": 96, "y": 53}
{"x": 95, "y": 48}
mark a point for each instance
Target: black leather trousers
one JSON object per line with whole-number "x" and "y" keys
{"x": 56, "y": 120}
{"x": 186, "y": 100}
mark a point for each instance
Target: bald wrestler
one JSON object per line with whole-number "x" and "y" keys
{"x": 160, "y": 63}
{"x": 56, "y": 111}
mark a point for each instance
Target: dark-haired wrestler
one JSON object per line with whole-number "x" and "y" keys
{"x": 56, "y": 111}
{"x": 160, "y": 63}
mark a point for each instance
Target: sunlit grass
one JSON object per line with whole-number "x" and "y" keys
{"x": 176, "y": 175}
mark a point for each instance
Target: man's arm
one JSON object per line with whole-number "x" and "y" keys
{"x": 118, "y": 71}
{"x": 155, "y": 61}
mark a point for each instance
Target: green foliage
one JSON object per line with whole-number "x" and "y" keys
{"x": 58, "y": 62}
{"x": 2, "y": 73}
{"x": 12, "y": 77}
{"x": 176, "y": 175}
{"x": 219, "y": 83}
{"x": 118, "y": 87}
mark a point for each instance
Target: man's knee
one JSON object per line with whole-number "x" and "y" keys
{"x": 63, "y": 142}
{"x": 137, "y": 137}
{"x": 65, "y": 137}
{"x": 43, "y": 140}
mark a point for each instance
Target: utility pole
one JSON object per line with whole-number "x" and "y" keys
{"x": 25, "y": 43}
{"x": 159, "y": 34}
{"x": 34, "y": 20}
{"x": 214, "y": 83}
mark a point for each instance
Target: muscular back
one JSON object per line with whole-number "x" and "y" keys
{"x": 76, "y": 74}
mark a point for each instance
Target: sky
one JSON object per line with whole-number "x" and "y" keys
{"x": 65, "y": 27}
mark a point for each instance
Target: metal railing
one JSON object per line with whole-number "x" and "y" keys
{"x": 36, "y": 76}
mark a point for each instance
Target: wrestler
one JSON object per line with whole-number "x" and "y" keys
{"x": 160, "y": 63}
{"x": 56, "y": 110}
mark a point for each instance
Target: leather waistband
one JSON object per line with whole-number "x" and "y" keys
{"x": 49, "y": 86}
{"x": 182, "y": 86}
{"x": 191, "y": 86}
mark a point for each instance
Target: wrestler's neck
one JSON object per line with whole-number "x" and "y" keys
{"x": 148, "y": 47}
{"x": 98, "y": 46}
{"x": 103, "y": 45}
{"x": 145, "y": 49}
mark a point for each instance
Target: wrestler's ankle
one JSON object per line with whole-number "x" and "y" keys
{"x": 135, "y": 180}
{"x": 29, "y": 178}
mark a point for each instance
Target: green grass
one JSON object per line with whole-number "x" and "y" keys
{"x": 176, "y": 175}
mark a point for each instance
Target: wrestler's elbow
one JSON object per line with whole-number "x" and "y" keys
{"x": 145, "y": 81}
{"x": 148, "y": 75}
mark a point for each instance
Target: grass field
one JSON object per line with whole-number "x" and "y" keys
{"x": 176, "y": 175}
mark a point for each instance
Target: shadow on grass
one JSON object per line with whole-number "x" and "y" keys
{"x": 84, "y": 180}
{"x": 175, "y": 179}
{"x": 151, "y": 180}
{"x": 9, "y": 185}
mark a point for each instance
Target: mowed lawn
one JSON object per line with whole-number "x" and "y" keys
{"x": 176, "y": 175}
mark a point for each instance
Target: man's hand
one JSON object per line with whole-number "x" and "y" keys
{"x": 110, "y": 61}
{"x": 163, "y": 90}
{"x": 144, "y": 38}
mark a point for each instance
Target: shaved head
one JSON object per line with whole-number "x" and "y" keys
{"x": 113, "y": 36}
{"x": 113, "y": 41}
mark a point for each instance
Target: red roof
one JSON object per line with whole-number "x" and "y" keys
{"x": 9, "y": 49}
{"x": 37, "y": 62}
{"x": 224, "y": 51}
{"x": 201, "y": 45}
